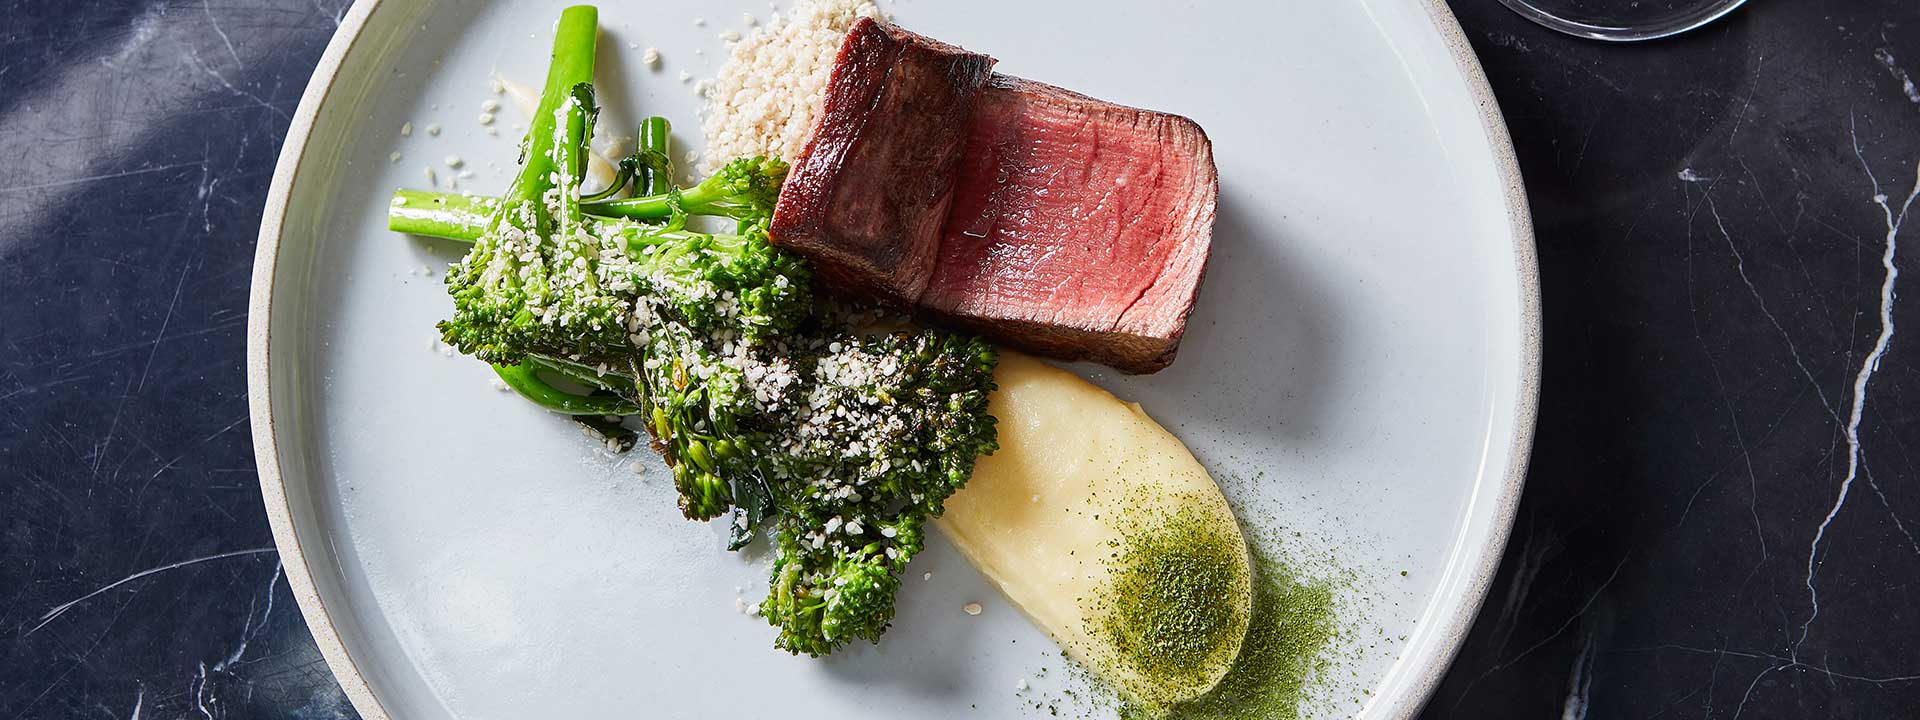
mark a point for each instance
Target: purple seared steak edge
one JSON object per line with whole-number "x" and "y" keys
{"x": 866, "y": 199}
{"x": 1049, "y": 221}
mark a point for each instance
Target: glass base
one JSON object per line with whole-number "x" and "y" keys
{"x": 1622, "y": 20}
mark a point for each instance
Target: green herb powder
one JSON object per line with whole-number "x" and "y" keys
{"x": 1293, "y": 624}
{"x": 1175, "y": 586}
{"x": 1175, "y": 603}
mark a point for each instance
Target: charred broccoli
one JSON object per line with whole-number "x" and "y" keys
{"x": 837, "y": 441}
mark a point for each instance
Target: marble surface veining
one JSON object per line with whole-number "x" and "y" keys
{"x": 1720, "y": 518}
{"x": 1721, "y": 511}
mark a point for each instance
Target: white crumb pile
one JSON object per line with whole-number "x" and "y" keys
{"x": 774, "y": 78}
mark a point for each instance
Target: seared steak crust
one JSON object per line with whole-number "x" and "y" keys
{"x": 1044, "y": 219}
{"x": 866, "y": 200}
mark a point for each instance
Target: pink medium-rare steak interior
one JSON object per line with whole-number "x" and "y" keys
{"x": 1079, "y": 228}
{"x": 866, "y": 200}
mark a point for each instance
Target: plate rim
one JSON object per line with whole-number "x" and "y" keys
{"x": 353, "y": 681}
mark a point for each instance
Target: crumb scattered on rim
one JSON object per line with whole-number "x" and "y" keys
{"x": 763, "y": 101}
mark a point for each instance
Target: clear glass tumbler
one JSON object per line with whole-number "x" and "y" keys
{"x": 1622, "y": 20}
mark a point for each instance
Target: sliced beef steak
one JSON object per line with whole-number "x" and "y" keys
{"x": 1079, "y": 228}
{"x": 866, "y": 201}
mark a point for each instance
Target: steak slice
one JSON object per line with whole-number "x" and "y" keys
{"x": 1079, "y": 229}
{"x": 866, "y": 199}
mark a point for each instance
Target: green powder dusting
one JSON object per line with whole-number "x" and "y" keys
{"x": 1305, "y": 632}
{"x": 1286, "y": 648}
{"x": 1176, "y": 604}
{"x": 1293, "y": 622}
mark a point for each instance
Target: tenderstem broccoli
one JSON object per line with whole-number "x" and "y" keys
{"x": 744, "y": 189}
{"x": 531, "y": 283}
{"x": 648, "y": 169}
{"x": 836, "y": 442}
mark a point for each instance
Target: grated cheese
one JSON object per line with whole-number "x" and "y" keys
{"x": 775, "y": 77}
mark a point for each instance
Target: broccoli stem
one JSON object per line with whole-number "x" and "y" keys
{"x": 446, "y": 215}
{"x": 573, "y": 47}
{"x": 450, "y": 216}
{"x": 651, "y": 207}
{"x": 441, "y": 215}
{"x": 609, "y": 380}
{"x": 525, "y": 380}
{"x": 621, "y": 177}
{"x": 656, "y": 162}
{"x": 649, "y": 169}
{"x": 699, "y": 200}
{"x": 745, "y": 190}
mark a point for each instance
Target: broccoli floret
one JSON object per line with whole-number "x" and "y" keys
{"x": 696, "y": 404}
{"x": 722, "y": 283}
{"x": 822, "y": 598}
{"x": 708, "y": 308}
{"x": 915, "y": 400}
{"x": 892, "y": 428}
{"x": 746, "y": 188}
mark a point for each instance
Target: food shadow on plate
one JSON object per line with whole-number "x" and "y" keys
{"x": 1260, "y": 355}
{"x": 622, "y": 100}
{"x": 436, "y": 254}
{"x": 615, "y": 89}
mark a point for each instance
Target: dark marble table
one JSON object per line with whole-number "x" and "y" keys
{"x": 1720, "y": 520}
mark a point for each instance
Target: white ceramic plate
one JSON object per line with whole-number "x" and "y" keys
{"x": 1361, "y": 368}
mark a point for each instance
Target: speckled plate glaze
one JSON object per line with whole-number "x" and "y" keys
{"x": 1360, "y": 373}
